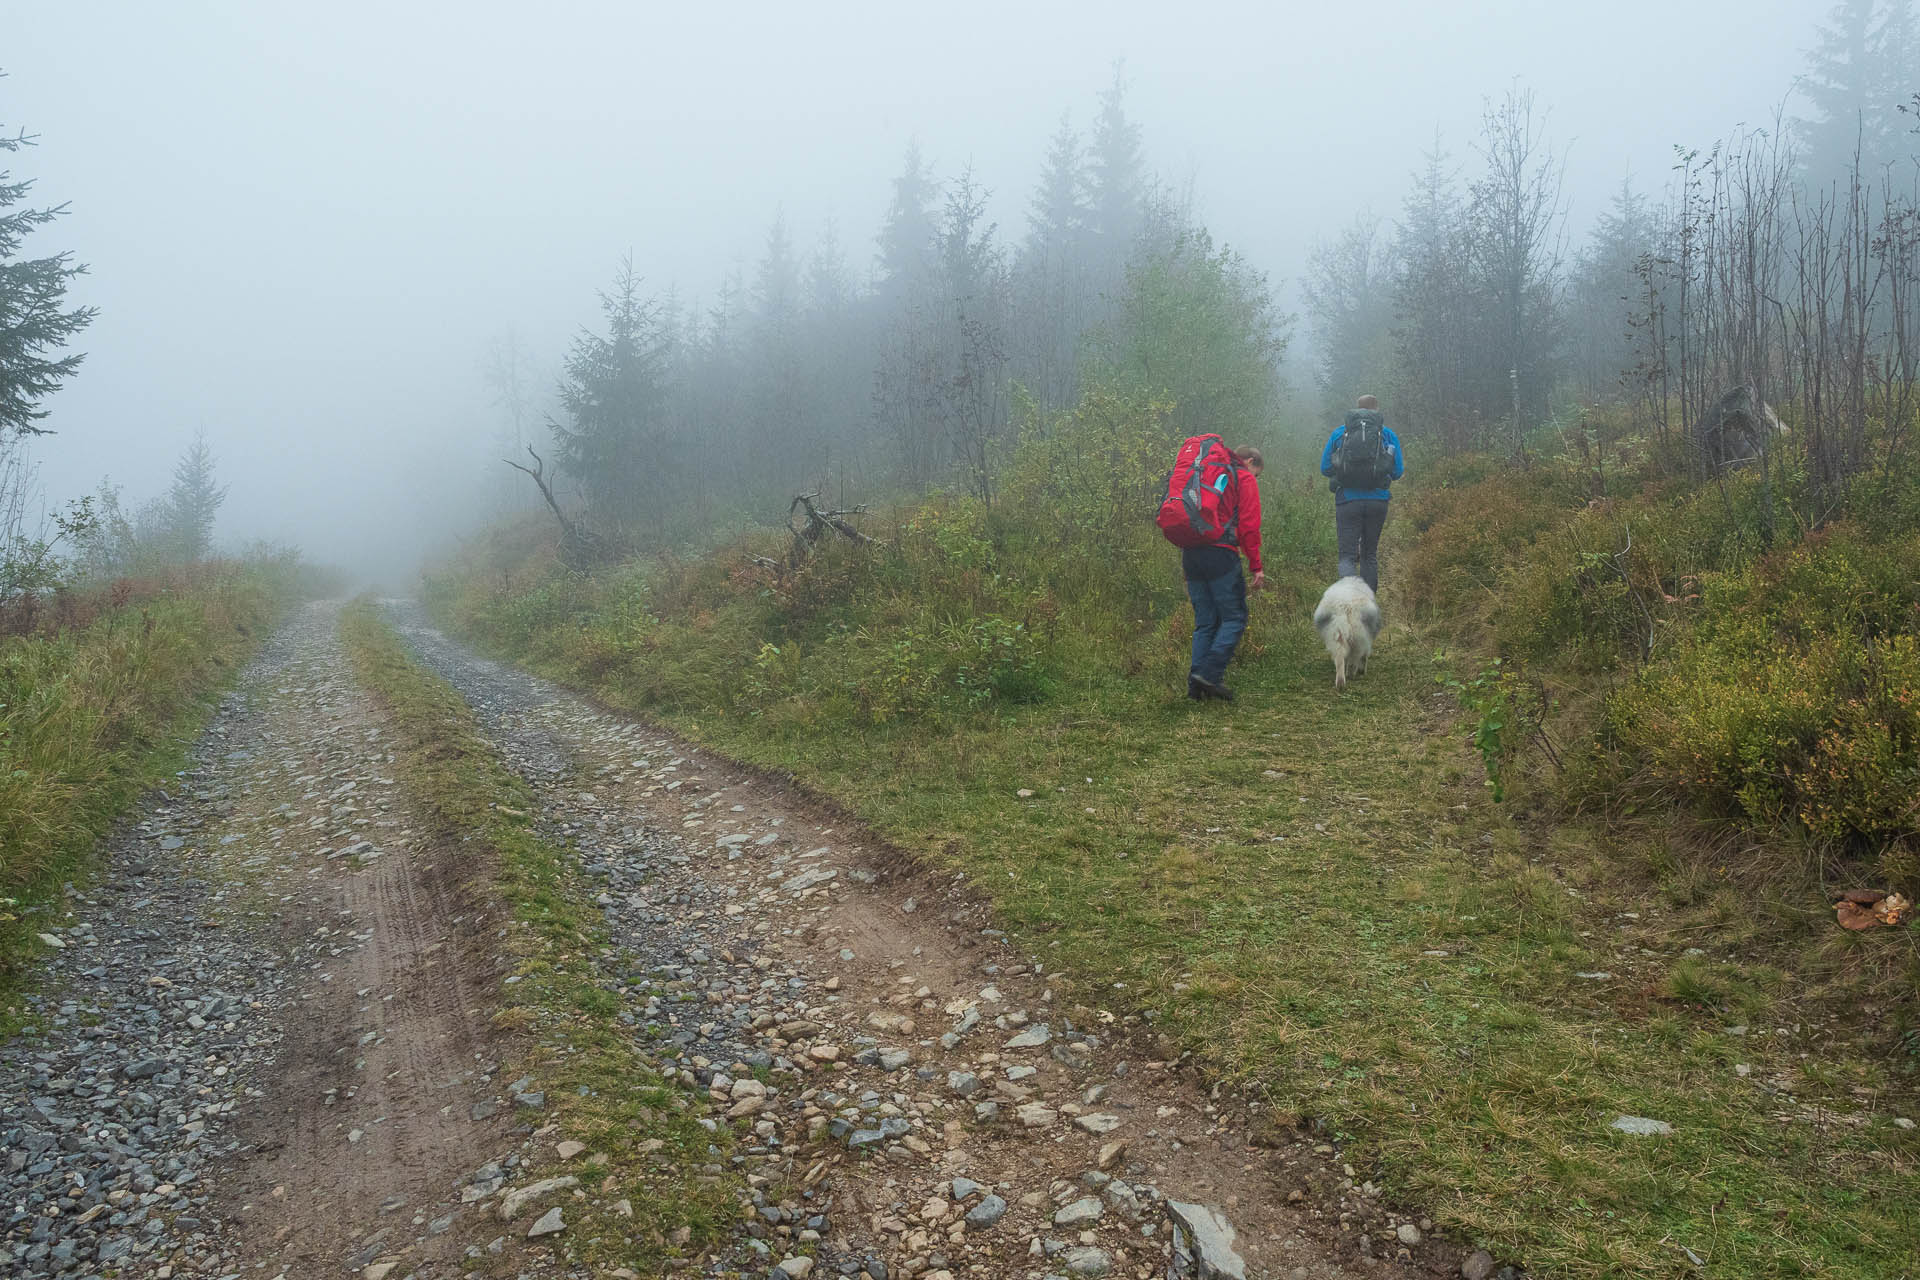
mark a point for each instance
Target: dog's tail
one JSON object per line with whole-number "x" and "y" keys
{"x": 1339, "y": 636}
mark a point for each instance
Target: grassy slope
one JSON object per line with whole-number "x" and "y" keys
{"x": 91, "y": 718}
{"x": 603, "y": 1092}
{"x": 1483, "y": 1081}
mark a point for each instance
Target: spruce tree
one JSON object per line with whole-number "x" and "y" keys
{"x": 613, "y": 393}
{"x": 1116, "y": 174}
{"x": 906, "y": 238}
{"x": 1057, "y": 215}
{"x": 1053, "y": 281}
{"x": 193, "y": 502}
{"x": 1859, "y": 73}
{"x": 35, "y": 322}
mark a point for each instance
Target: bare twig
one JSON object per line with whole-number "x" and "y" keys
{"x": 575, "y": 544}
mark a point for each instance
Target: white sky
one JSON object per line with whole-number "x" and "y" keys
{"x": 305, "y": 222}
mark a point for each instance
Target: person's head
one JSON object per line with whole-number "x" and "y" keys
{"x": 1367, "y": 402}
{"x": 1250, "y": 458}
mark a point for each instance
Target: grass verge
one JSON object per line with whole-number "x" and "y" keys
{"x": 644, "y": 1138}
{"x": 92, "y": 716}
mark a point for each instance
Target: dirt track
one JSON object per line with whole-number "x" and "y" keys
{"x": 798, "y": 929}
{"x": 370, "y": 1122}
{"x": 913, "y": 1093}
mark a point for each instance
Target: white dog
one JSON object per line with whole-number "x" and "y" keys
{"x": 1348, "y": 618}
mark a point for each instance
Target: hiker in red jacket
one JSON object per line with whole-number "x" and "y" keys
{"x": 1217, "y": 588}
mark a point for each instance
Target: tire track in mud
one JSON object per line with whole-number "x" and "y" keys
{"x": 267, "y": 1023}
{"x": 358, "y": 1149}
{"x": 911, "y": 1092}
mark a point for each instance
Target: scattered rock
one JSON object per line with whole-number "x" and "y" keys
{"x": 517, "y": 1201}
{"x": 1210, "y": 1237}
{"x": 549, "y": 1223}
{"x": 989, "y": 1211}
{"x": 1080, "y": 1213}
{"x": 1086, "y": 1260}
{"x": 1641, "y": 1126}
{"x": 1035, "y": 1115}
{"x": 1477, "y": 1265}
{"x": 1032, "y": 1038}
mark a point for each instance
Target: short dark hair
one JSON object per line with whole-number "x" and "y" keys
{"x": 1250, "y": 455}
{"x": 1367, "y": 402}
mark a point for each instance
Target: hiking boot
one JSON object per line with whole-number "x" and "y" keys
{"x": 1193, "y": 689}
{"x": 1212, "y": 690}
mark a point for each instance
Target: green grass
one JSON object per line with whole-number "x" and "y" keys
{"x": 93, "y": 716}
{"x": 1478, "y": 1085}
{"x": 642, "y": 1131}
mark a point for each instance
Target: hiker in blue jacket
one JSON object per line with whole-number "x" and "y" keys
{"x": 1358, "y": 471}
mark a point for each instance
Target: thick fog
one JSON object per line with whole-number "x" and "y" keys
{"x": 305, "y": 224}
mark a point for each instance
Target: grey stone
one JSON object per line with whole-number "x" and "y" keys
{"x": 1081, "y": 1213}
{"x": 1477, "y": 1265}
{"x": 517, "y": 1201}
{"x": 1032, "y": 1038}
{"x": 1736, "y": 428}
{"x": 1035, "y": 1115}
{"x": 1641, "y": 1126}
{"x": 989, "y": 1211}
{"x": 1085, "y": 1260}
{"x": 1212, "y": 1238}
{"x": 549, "y": 1223}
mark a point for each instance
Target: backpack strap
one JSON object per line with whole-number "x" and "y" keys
{"x": 1231, "y": 533}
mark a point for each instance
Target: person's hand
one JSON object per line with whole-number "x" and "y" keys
{"x": 1259, "y": 580}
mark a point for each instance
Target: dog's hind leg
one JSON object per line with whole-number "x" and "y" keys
{"x": 1340, "y": 667}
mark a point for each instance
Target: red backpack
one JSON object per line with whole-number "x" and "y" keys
{"x": 1202, "y": 506}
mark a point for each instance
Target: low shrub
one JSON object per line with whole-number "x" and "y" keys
{"x": 1794, "y": 699}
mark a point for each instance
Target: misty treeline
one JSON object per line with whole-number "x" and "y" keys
{"x": 1782, "y": 258}
{"x": 826, "y": 370}
{"x": 94, "y": 544}
{"x": 92, "y": 540}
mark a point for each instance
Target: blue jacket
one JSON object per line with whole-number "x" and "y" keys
{"x": 1351, "y": 495}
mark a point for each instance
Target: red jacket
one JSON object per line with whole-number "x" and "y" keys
{"x": 1248, "y": 531}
